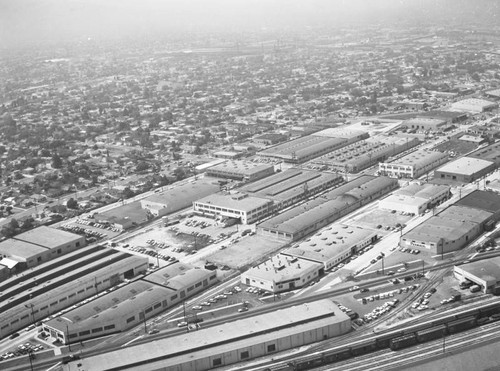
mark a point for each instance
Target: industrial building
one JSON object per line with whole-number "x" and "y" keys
{"x": 416, "y": 198}
{"x": 243, "y": 171}
{"x": 311, "y": 146}
{"x": 473, "y": 105}
{"x": 449, "y": 231}
{"x": 426, "y": 124}
{"x": 290, "y": 186}
{"x": 228, "y": 343}
{"x": 246, "y": 209}
{"x": 413, "y": 165}
{"x": 332, "y": 245}
{"x": 131, "y": 304}
{"x": 39, "y": 245}
{"x": 489, "y": 153}
{"x": 463, "y": 170}
{"x": 482, "y": 200}
{"x": 307, "y": 218}
{"x": 484, "y": 272}
{"x": 257, "y": 200}
{"x": 63, "y": 282}
{"x": 179, "y": 197}
{"x": 282, "y": 273}
{"x": 363, "y": 154}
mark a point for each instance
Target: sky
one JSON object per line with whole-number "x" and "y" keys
{"x": 41, "y": 20}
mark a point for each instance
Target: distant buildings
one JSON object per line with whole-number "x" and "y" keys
{"x": 243, "y": 171}
{"x": 474, "y": 105}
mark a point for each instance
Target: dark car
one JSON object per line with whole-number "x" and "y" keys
{"x": 14, "y": 335}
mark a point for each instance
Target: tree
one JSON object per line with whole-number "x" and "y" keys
{"x": 56, "y": 161}
{"x": 72, "y": 204}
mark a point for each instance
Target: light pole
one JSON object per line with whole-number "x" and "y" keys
{"x": 383, "y": 255}
{"x": 31, "y": 305}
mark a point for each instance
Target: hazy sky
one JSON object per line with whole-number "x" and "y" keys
{"x": 40, "y": 20}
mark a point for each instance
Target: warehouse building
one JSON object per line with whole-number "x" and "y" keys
{"x": 489, "y": 153}
{"x": 290, "y": 186}
{"x": 44, "y": 291}
{"x": 360, "y": 155}
{"x": 463, "y": 170}
{"x": 282, "y": 273}
{"x": 228, "y": 343}
{"x": 426, "y": 124}
{"x": 449, "y": 231}
{"x": 483, "y": 200}
{"x": 307, "y": 218}
{"x": 178, "y": 197}
{"x": 332, "y": 245}
{"x": 246, "y": 209}
{"x": 311, "y": 146}
{"x": 132, "y": 304}
{"x": 257, "y": 200}
{"x": 474, "y": 105}
{"x": 243, "y": 171}
{"x": 416, "y": 198}
{"x": 413, "y": 165}
{"x": 485, "y": 273}
{"x": 40, "y": 245}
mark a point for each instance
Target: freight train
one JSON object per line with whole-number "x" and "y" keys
{"x": 398, "y": 339}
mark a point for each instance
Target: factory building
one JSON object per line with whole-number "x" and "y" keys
{"x": 40, "y": 245}
{"x": 311, "y": 146}
{"x": 332, "y": 246}
{"x": 413, "y": 165}
{"x": 484, "y": 273}
{"x": 179, "y": 197}
{"x": 482, "y": 200}
{"x": 360, "y": 155}
{"x": 131, "y": 304}
{"x": 246, "y": 209}
{"x": 282, "y": 273}
{"x": 489, "y": 153}
{"x": 228, "y": 343}
{"x": 243, "y": 171}
{"x": 474, "y": 105}
{"x": 426, "y": 124}
{"x": 63, "y": 282}
{"x": 307, "y": 218}
{"x": 416, "y": 198}
{"x": 259, "y": 199}
{"x": 449, "y": 231}
{"x": 463, "y": 170}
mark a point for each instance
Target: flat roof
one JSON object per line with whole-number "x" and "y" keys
{"x": 437, "y": 228}
{"x": 465, "y": 166}
{"x": 475, "y": 102}
{"x": 178, "y": 275}
{"x": 241, "y": 167}
{"x": 484, "y": 200}
{"x": 425, "y": 120}
{"x": 279, "y": 268}
{"x": 329, "y": 242}
{"x": 419, "y": 158}
{"x": 490, "y": 153}
{"x": 233, "y": 202}
{"x": 486, "y": 269}
{"x": 21, "y": 249}
{"x": 289, "y": 319}
{"x": 426, "y": 191}
{"x": 48, "y": 237}
{"x": 458, "y": 212}
{"x": 127, "y": 300}
{"x": 303, "y": 146}
{"x": 179, "y": 197}
{"x": 340, "y": 132}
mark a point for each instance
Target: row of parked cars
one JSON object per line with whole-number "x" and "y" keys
{"x": 22, "y": 349}
{"x": 97, "y": 225}
{"x": 378, "y": 311}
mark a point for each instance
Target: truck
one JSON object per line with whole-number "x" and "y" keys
{"x": 475, "y": 288}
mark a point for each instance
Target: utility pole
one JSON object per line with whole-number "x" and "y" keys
{"x": 145, "y": 323}
{"x": 67, "y": 334}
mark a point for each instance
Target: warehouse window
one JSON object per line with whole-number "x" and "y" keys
{"x": 244, "y": 355}
{"x": 98, "y": 329}
{"x": 110, "y": 327}
{"x": 130, "y": 319}
{"x": 217, "y": 362}
{"x": 157, "y": 306}
{"x": 83, "y": 333}
{"x": 271, "y": 348}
